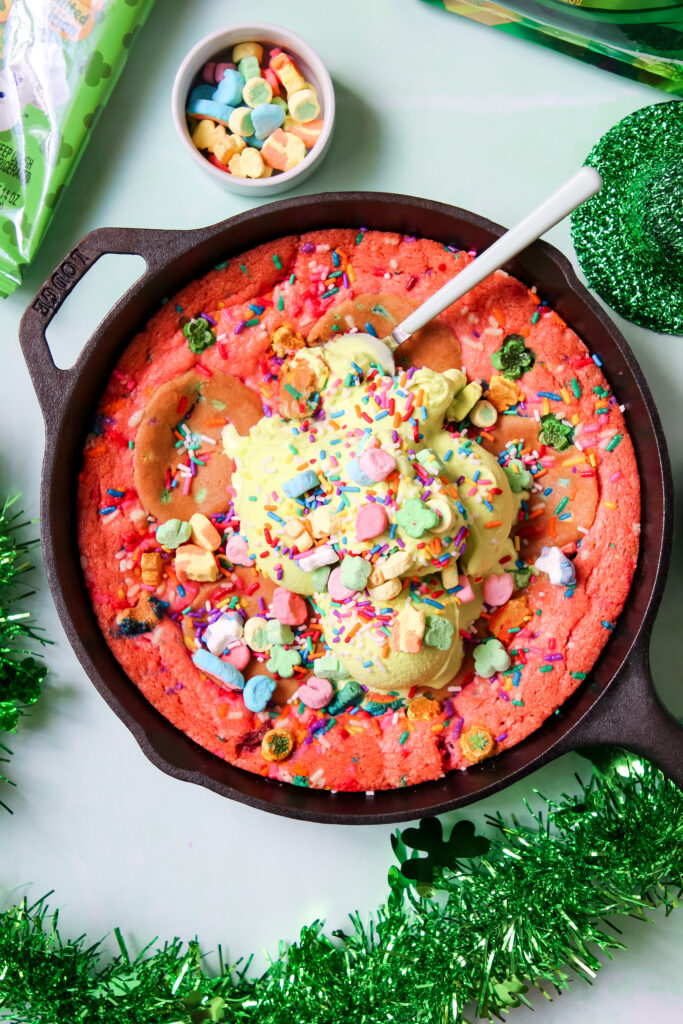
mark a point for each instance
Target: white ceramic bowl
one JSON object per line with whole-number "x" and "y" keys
{"x": 218, "y": 46}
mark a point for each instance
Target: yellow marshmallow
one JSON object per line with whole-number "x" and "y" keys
{"x": 295, "y": 529}
{"x": 235, "y": 166}
{"x": 204, "y": 533}
{"x": 295, "y": 151}
{"x": 408, "y": 630}
{"x": 240, "y": 121}
{"x": 303, "y": 105}
{"x": 195, "y": 563}
{"x": 205, "y": 134}
{"x": 288, "y": 73}
{"x": 227, "y": 148}
{"x": 252, "y": 163}
{"x": 242, "y": 50}
{"x": 248, "y": 164}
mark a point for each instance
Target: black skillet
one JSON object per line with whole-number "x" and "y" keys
{"x": 616, "y": 705}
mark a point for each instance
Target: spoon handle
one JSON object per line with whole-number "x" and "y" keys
{"x": 581, "y": 186}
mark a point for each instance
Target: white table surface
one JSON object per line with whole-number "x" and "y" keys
{"x": 428, "y": 104}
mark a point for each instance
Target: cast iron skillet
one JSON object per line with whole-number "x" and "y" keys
{"x": 617, "y": 704}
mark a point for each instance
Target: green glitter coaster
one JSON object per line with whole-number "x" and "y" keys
{"x": 629, "y": 237}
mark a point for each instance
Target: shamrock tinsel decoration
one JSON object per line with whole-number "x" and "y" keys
{"x": 470, "y": 923}
{"x": 20, "y": 674}
{"x": 199, "y": 334}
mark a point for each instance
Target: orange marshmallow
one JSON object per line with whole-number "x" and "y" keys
{"x": 287, "y": 72}
{"x": 274, "y": 150}
{"x": 309, "y": 133}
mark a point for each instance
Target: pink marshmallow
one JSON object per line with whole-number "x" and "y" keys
{"x": 236, "y": 550}
{"x": 498, "y": 589}
{"x": 209, "y": 73}
{"x": 239, "y": 656}
{"x": 272, "y": 80}
{"x": 371, "y": 520}
{"x": 466, "y": 594}
{"x": 220, "y": 71}
{"x": 335, "y": 587}
{"x": 377, "y": 464}
{"x": 316, "y": 693}
{"x": 288, "y": 607}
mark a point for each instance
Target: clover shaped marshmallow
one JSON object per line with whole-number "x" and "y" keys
{"x": 489, "y": 658}
{"x": 439, "y": 632}
{"x": 282, "y": 661}
{"x": 415, "y": 518}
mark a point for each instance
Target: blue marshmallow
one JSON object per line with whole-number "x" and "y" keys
{"x": 266, "y": 118}
{"x": 209, "y": 108}
{"x": 357, "y": 475}
{"x": 222, "y": 670}
{"x": 559, "y": 568}
{"x": 201, "y": 92}
{"x": 258, "y": 692}
{"x": 229, "y": 90}
{"x": 299, "y": 484}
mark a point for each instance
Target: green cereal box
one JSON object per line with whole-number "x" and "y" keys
{"x": 59, "y": 61}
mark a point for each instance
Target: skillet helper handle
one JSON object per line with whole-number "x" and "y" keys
{"x": 51, "y": 383}
{"x": 631, "y": 715}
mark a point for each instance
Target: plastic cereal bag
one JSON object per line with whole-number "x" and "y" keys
{"x": 59, "y": 60}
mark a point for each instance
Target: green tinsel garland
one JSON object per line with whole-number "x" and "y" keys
{"x": 469, "y": 923}
{"x": 20, "y": 674}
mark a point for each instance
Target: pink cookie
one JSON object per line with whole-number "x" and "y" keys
{"x": 239, "y": 656}
{"x": 498, "y": 589}
{"x": 288, "y": 607}
{"x": 236, "y": 550}
{"x": 377, "y": 464}
{"x": 466, "y": 594}
{"x": 371, "y": 520}
{"x": 335, "y": 587}
{"x": 316, "y": 693}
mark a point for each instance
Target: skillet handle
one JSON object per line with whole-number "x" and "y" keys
{"x": 52, "y": 384}
{"x": 630, "y": 715}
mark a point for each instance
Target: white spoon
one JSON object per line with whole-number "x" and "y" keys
{"x": 580, "y": 187}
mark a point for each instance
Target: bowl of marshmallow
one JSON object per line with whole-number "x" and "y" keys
{"x": 253, "y": 105}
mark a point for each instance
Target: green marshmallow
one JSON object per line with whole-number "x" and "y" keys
{"x": 249, "y": 67}
{"x": 320, "y": 578}
{"x": 277, "y": 633}
{"x": 415, "y": 518}
{"x": 349, "y": 695}
{"x": 330, "y": 667}
{"x": 282, "y": 661}
{"x": 438, "y": 632}
{"x": 519, "y": 477}
{"x": 379, "y": 707}
{"x": 355, "y": 572}
{"x": 489, "y": 658}
{"x": 173, "y": 533}
{"x": 430, "y": 460}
